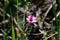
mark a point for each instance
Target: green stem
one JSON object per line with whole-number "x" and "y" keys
{"x": 59, "y": 29}
{"x": 45, "y": 38}
{"x": 58, "y": 2}
{"x": 17, "y": 20}
{"x": 5, "y": 36}
{"x": 13, "y": 32}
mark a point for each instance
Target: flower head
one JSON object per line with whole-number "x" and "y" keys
{"x": 31, "y": 19}
{"x": 16, "y": 29}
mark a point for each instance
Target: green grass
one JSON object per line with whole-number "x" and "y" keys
{"x": 57, "y": 23}
{"x": 5, "y": 37}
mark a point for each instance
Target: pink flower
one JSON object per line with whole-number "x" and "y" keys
{"x": 31, "y": 19}
{"x": 16, "y": 29}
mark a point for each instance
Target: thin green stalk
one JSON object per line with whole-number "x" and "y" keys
{"x": 13, "y": 32}
{"x": 17, "y": 4}
{"x": 27, "y": 27}
{"x": 4, "y": 24}
{"x": 19, "y": 23}
{"x": 17, "y": 20}
{"x": 5, "y": 36}
{"x": 45, "y": 38}
{"x": 58, "y": 2}
{"x": 17, "y": 17}
{"x": 57, "y": 27}
{"x": 24, "y": 20}
{"x": 19, "y": 29}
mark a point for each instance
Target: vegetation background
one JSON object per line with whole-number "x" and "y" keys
{"x": 29, "y": 19}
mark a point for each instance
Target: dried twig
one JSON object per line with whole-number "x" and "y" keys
{"x": 48, "y": 10}
{"x": 17, "y": 25}
{"x": 3, "y": 22}
{"x": 52, "y": 35}
{"x": 3, "y": 35}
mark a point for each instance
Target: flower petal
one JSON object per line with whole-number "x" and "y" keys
{"x": 31, "y": 19}
{"x": 34, "y": 21}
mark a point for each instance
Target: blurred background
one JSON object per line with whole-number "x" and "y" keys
{"x": 14, "y": 24}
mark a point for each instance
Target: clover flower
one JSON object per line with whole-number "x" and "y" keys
{"x": 31, "y": 19}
